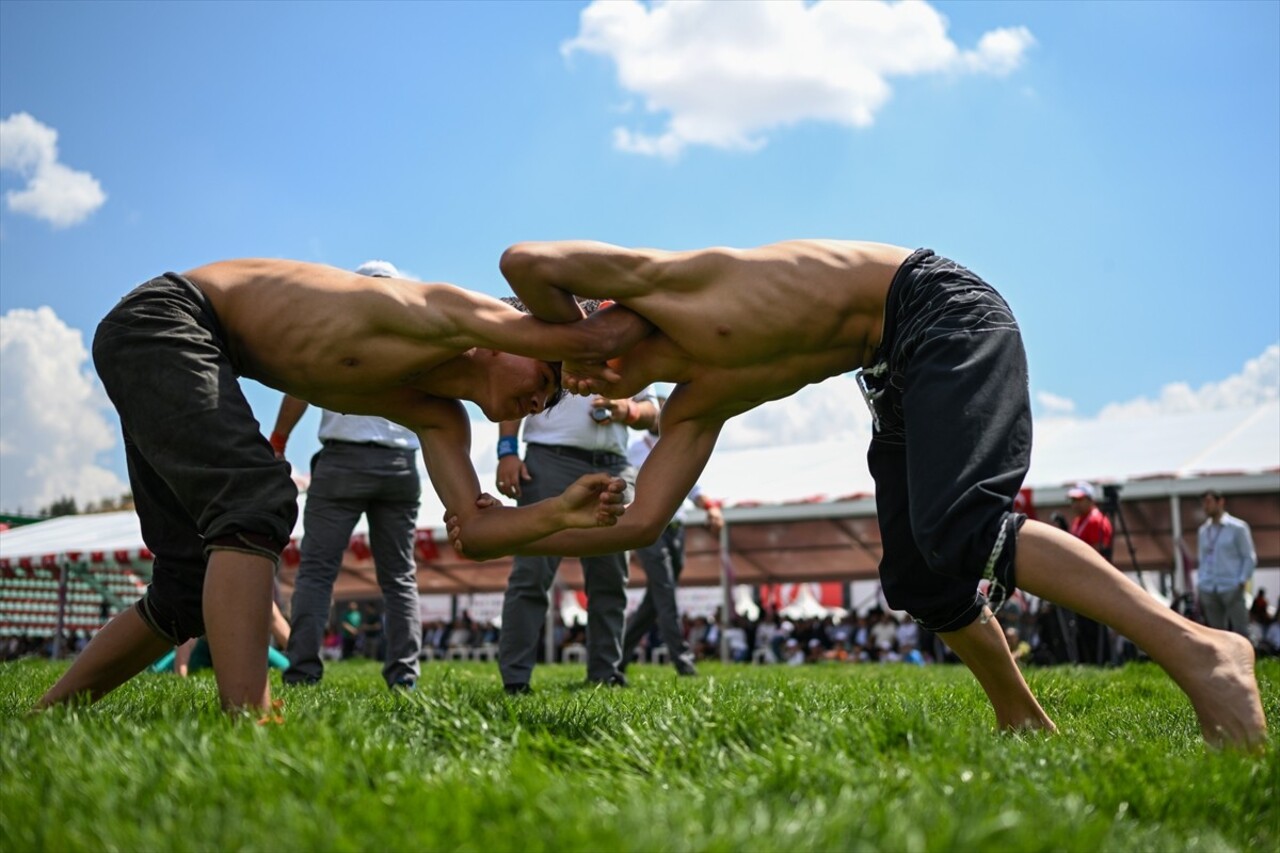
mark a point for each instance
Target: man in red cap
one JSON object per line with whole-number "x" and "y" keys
{"x": 1088, "y": 523}
{"x": 1091, "y": 526}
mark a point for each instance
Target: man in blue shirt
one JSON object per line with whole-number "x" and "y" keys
{"x": 1227, "y": 561}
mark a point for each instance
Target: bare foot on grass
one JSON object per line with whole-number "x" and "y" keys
{"x": 1223, "y": 689}
{"x": 1032, "y": 722}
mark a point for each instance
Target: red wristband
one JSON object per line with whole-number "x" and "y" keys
{"x": 278, "y": 441}
{"x": 711, "y": 504}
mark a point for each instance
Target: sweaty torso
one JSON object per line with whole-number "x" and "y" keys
{"x": 747, "y": 326}
{"x": 322, "y": 334}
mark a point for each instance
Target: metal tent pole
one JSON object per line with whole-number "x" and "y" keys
{"x": 727, "y": 610}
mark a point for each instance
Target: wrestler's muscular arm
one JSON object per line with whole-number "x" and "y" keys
{"x": 547, "y": 277}
{"x": 665, "y": 479}
{"x": 463, "y": 319}
{"x": 444, "y": 431}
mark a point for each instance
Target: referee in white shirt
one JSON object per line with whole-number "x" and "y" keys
{"x": 579, "y": 436}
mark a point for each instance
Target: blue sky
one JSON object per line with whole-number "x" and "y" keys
{"x": 1114, "y": 169}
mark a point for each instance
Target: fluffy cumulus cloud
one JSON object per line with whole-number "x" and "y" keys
{"x": 835, "y": 410}
{"x": 827, "y": 411}
{"x": 54, "y": 192}
{"x": 1259, "y": 382}
{"x": 1054, "y": 404}
{"x": 54, "y": 417}
{"x": 725, "y": 74}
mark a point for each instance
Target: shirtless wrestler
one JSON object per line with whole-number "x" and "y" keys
{"x": 217, "y": 507}
{"x": 941, "y": 362}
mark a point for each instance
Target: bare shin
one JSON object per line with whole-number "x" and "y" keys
{"x": 1214, "y": 668}
{"x": 119, "y": 651}
{"x": 983, "y": 648}
{"x": 237, "y": 620}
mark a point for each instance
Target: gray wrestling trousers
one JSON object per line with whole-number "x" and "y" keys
{"x": 524, "y": 606}
{"x": 349, "y": 480}
{"x": 663, "y": 562}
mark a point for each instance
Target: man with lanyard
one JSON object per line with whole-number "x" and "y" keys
{"x": 366, "y": 466}
{"x": 663, "y": 561}
{"x": 1227, "y": 561}
{"x": 1091, "y": 526}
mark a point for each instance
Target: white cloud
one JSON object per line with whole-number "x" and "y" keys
{"x": 54, "y": 416}
{"x": 1258, "y": 382}
{"x": 835, "y": 410}
{"x": 830, "y": 410}
{"x": 1053, "y": 404}
{"x": 726, "y": 73}
{"x": 54, "y": 192}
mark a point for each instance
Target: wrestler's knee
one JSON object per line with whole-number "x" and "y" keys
{"x": 176, "y": 618}
{"x": 969, "y": 547}
{"x": 942, "y": 618}
{"x": 247, "y": 542}
{"x": 263, "y": 530}
{"x": 936, "y": 602}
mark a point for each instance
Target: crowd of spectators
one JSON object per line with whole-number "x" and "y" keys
{"x": 1038, "y": 633}
{"x": 875, "y": 636}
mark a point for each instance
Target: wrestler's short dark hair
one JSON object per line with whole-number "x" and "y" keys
{"x": 588, "y": 306}
{"x": 1213, "y": 493}
{"x": 559, "y": 395}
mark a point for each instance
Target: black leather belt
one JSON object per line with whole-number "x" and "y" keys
{"x": 330, "y": 442}
{"x": 598, "y": 458}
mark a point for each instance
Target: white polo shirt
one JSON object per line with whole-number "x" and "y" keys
{"x": 365, "y": 429}
{"x": 569, "y": 424}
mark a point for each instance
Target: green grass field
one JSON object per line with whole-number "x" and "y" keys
{"x": 831, "y": 757}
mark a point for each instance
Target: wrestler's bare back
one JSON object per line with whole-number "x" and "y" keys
{"x": 741, "y": 307}
{"x": 749, "y": 325}
{"x": 323, "y": 334}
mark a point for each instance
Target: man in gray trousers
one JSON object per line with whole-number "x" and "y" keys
{"x": 366, "y": 465}
{"x": 663, "y": 562}
{"x": 579, "y": 436}
{"x": 1227, "y": 561}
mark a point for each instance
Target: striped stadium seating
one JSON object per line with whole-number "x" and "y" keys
{"x": 95, "y": 593}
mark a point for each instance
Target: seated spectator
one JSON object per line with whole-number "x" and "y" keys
{"x": 861, "y": 633}
{"x": 792, "y": 654}
{"x": 332, "y": 648}
{"x": 767, "y": 633}
{"x": 908, "y": 635}
{"x": 1256, "y": 629}
{"x": 839, "y": 635}
{"x": 736, "y": 636}
{"x": 460, "y": 634}
{"x": 1260, "y": 608}
{"x": 884, "y": 635}
{"x": 1020, "y": 648}
{"x": 1271, "y": 638}
{"x": 711, "y": 639}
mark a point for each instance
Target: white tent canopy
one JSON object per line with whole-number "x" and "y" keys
{"x": 806, "y": 606}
